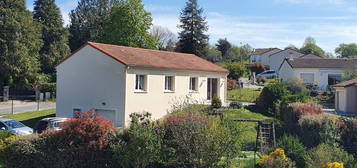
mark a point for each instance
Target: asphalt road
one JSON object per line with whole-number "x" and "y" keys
{"x": 24, "y": 107}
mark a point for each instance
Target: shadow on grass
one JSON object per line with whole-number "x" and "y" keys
{"x": 33, "y": 121}
{"x": 259, "y": 110}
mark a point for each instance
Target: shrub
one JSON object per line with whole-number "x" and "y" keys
{"x": 232, "y": 84}
{"x": 296, "y": 86}
{"x": 139, "y": 145}
{"x": 257, "y": 68}
{"x": 317, "y": 129}
{"x": 348, "y": 129}
{"x": 276, "y": 159}
{"x": 334, "y": 165}
{"x": 326, "y": 153}
{"x": 261, "y": 80}
{"x": 235, "y": 105}
{"x": 83, "y": 142}
{"x": 216, "y": 102}
{"x": 270, "y": 95}
{"x": 294, "y": 149}
{"x": 236, "y": 69}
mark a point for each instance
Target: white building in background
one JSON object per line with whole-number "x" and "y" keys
{"x": 116, "y": 81}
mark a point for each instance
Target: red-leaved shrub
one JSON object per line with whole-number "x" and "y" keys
{"x": 306, "y": 108}
{"x": 257, "y": 68}
{"x": 232, "y": 84}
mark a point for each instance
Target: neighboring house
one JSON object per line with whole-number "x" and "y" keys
{"x": 116, "y": 81}
{"x": 346, "y": 96}
{"x": 261, "y": 55}
{"x": 275, "y": 60}
{"x": 313, "y": 69}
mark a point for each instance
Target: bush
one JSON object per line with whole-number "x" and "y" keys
{"x": 261, "y": 80}
{"x": 236, "y": 70}
{"x": 349, "y": 135}
{"x": 83, "y": 142}
{"x": 317, "y": 129}
{"x": 271, "y": 95}
{"x": 216, "y": 102}
{"x": 276, "y": 159}
{"x": 294, "y": 149}
{"x": 296, "y": 86}
{"x": 326, "y": 153}
{"x": 257, "y": 68}
{"x": 235, "y": 105}
{"x": 232, "y": 84}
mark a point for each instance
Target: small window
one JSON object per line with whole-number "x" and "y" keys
{"x": 334, "y": 79}
{"x": 140, "y": 83}
{"x": 169, "y": 83}
{"x": 193, "y": 84}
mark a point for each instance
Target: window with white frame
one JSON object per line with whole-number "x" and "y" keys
{"x": 307, "y": 77}
{"x": 169, "y": 83}
{"x": 193, "y": 84}
{"x": 140, "y": 83}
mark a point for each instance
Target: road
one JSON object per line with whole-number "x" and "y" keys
{"x": 20, "y": 107}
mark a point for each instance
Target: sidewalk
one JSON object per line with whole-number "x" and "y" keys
{"x": 24, "y": 106}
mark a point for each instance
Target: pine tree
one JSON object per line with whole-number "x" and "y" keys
{"x": 129, "y": 25}
{"x": 192, "y": 38}
{"x": 88, "y": 20}
{"x": 20, "y": 43}
{"x": 54, "y": 35}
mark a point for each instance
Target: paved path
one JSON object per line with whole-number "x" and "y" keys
{"x": 247, "y": 84}
{"x": 21, "y": 107}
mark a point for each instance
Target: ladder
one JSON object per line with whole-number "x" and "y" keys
{"x": 265, "y": 136}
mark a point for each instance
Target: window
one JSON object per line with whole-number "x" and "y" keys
{"x": 77, "y": 112}
{"x": 193, "y": 84}
{"x": 169, "y": 83}
{"x": 140, "y": 83}
{"x": 334, "y": 79}
{"x": 307, "y": 77}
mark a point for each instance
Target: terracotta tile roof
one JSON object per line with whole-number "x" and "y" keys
{"x": 322, "y": 63}
{"x": 260, "y": 51}
{"x": 145, "y": 58}
{"x": 347, "y": 83}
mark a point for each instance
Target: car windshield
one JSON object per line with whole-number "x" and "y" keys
{"x": 14, "y": 124}
{"x": 58, "y": 124}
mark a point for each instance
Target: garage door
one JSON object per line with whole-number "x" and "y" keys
{"x": 107, "y": 114}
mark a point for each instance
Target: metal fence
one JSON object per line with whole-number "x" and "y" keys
{"x": 20, "y": 101}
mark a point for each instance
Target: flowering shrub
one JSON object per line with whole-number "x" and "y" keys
{"x": 276, "y": 159}
{"x": 306, "y": 109}
{"x": 232, "y": 84}
{"x": 334, "y": 165}
{"x": 293, "y": 148}
{"x": 348, "y": 129}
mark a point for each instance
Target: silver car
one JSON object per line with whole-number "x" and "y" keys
{"x": 51, "y": 123}
{"x": 269, "y": 74}
{"x": 15, "y": 127}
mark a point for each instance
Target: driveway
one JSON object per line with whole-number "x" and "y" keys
{"x": 24, "y": 106}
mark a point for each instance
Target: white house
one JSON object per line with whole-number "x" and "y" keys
{"x": 346, "y": 97}
{"x": 261, "y": 55}
{"x": 116, "y": 81}
{"x": 313, "y": 69}
{"x": 275, "y": 60}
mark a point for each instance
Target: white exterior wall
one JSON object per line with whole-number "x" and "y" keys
{"x": 91, "y": 80}
{"x": 277, "y": 59}
{"x": 159, "y": 103}
{"x": 286, "y": 72}
{"x": 265, "y": 58}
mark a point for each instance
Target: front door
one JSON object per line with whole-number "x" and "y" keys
{"x": 212, "y": 88}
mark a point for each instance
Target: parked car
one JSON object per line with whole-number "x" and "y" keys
{"x": 269, "y": 74}
{"x": 51, "y": 123}
{"x": 15, "y": 127}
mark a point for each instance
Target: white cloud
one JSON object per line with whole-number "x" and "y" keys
{"x": 311, "y": 1}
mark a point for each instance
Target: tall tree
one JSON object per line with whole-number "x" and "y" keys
{"x": 346, "y": 50}
{"x": 213, "y": 54}
{"x": 223, "y": 45}
{"x": 88, "y": 20}
{"x": 163, "y": 36}
{"x": 20, "y": 43}
{"x": 310, "y": 47}
{"x": 192, "y": 38}
{"x": 128, "y": 25}
{"x": 54, "y": 35}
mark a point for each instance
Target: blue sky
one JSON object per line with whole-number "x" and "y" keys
{"x": 260, "y": 23}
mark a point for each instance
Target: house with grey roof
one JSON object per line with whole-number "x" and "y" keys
{"x": 261, "y": 55}
{"x": 324, "y": 72}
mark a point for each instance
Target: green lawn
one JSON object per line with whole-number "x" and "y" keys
{"x": 243, "y": 95}
{"x": 249, "y": 128}
{"x": 31, "y": 118}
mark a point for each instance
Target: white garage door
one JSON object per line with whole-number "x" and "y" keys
{"x": 107, "y": 114}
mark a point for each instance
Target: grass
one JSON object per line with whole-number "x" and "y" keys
{"x": 244, "y": 95}
{"x": 249, "y": 129}
{"x": 31, "y": 118}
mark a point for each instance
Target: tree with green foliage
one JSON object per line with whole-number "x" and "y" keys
{"x": 310, "y": 47}
{"x": 236, "y": 70}
{"x": 224, "y": 46}
{"x": 20, "y": 43}
{"x": 88, "y": 20}
{"x": 350, "y": 74}
{"x": 213, "y": 54}
{"x": 129, "y": 25}
{"x": 54, "y": 35}
{"x": 347, "y": 50}
{"x": 192, "y": 38}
